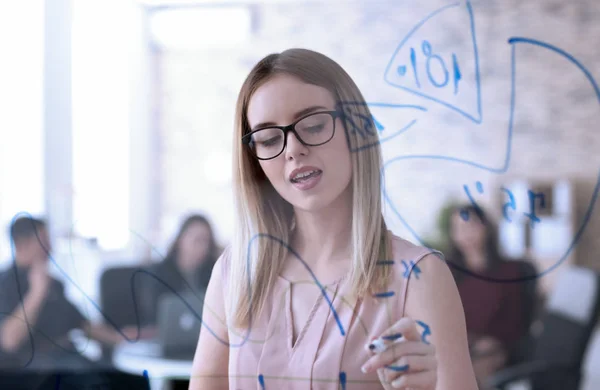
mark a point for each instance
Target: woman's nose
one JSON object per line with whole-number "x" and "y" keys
{"x": 294, "y": 147}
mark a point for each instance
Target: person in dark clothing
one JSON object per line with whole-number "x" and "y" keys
{"x": 493, "y": 311}
{"x": 50, "y": 324}
{"x": 186, "y": 267}
{"x": 36, "y": 318}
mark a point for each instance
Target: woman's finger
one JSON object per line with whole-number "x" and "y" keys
{"x": 403, "y": 329}
{"x": 382, "y": 343}
{"x": 407, "y": 365}
{"x": 395, "y": 352}
{"x": 417, "y": 380}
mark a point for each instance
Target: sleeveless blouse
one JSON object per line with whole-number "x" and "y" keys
{"x": 330, "y": 348}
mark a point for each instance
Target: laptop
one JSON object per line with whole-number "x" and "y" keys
{"x": 179, "y": 323}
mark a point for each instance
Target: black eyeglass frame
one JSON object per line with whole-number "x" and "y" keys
{"x": 247, "y": 138}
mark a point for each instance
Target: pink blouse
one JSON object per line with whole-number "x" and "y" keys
{"x": 329, "y": 351}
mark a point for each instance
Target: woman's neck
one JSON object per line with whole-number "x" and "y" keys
{"x": 186, "y": 265}
{"x": 476, "y": 260}
{"x": 324, "y": 235}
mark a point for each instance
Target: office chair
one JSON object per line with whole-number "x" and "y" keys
{"x": 568, "y": 321}
{"x": 117, "y": 296}
{"x": 530, "y": 302}
{"x": 117, "y": 302}
{"x": 591, "y": 364}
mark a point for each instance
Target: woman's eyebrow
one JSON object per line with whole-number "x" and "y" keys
{"x": 297, "y": 115}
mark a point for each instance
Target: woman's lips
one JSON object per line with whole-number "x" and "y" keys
{"x": 308, "y": 182}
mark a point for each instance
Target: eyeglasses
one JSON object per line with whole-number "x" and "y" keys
{"x": 313, "y": 129}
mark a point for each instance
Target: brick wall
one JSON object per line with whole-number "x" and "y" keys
{"x": 555, "y": 131}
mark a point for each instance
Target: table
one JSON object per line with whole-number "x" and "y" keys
{"x": 135, "y": 357}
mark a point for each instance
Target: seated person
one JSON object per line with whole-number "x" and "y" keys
{"x": 35, "y": 316}
{"x": 187, "y": 267}
{"x": 493, "y": 310}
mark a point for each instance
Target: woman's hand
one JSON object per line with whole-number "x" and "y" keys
{"x": 403, "y": 360}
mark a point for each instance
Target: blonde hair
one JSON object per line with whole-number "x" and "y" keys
{"x": 256, "y": 262}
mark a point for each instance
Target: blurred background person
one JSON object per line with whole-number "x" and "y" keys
{"x": 186, "y": 267}
{"x": 494, "y": 311}
{"x": 36, "y": 317}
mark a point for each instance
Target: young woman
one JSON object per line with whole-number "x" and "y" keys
{"x": 313, "y": 293}
{"x": 493, "y": 314}
{"x": 187, "y": 266}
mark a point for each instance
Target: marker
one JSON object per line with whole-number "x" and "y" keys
{"x": 379, "y": 345}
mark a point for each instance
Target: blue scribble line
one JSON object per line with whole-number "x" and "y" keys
{"x": 409, "y": 267}
{"x": 510, "y": 204}
{"x": 343, "y": 380}
{"x": 385, "y": 294}
{"x": 476, "y": 55}
{"x": 378, "y": 125}
{"x": 95, "y": 305}
{"x": 388, "y": 81}
{"x": 478, "y": 210}
{"x": 404, "y": 129}
{"x": 21, "y": 298}
{"x": 426, "y": 331}
{"x": 502, "y": 169}
{"x": 293, "y": 252}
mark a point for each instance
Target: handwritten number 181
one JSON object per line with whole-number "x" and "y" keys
{"x": 430, "y": 61}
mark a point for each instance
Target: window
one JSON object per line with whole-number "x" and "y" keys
{"x": 21, "y": 119}
{"x": 101, "y": 96}
{"x": 195, "y": 28}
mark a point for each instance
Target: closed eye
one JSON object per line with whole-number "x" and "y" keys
{"x": 270, "y": 141}
{"x": 314, "y": 129}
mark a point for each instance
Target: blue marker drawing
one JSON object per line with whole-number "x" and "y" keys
{"x": 409, "y": 267}
{"x": 386, "y": 294}
{"x": 426, "y": 47}
{"x": 191, "y": 309}
{"x": 379, "y": 126}
{"x": 343, "y": 380}
{"x": 514, "y": 41}
{"x": 297, "y": 256}
{"x": 357, "y": 122}
{"x": 457, "y": 74}
{"x": 423, "y": 66}
{"x": 465, "y": 214}
{"x": 68, "y": 279}
{"x": 426, "y": 332}
{"x": 413, "y": 62}
{"x": 510, "y": 204}
{"x": 532, "y": 198}
{"x": 425, "y": 61}
{"x": 30, "y": 326}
